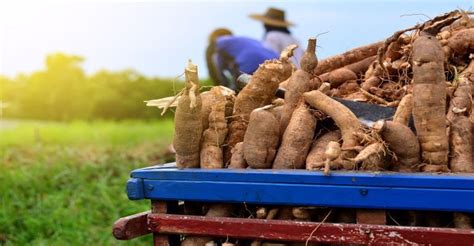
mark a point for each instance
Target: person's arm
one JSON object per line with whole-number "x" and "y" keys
{"x": 220, "y": 61}
{"x": 227, "y": 64}
{"x": 211, "y": 65}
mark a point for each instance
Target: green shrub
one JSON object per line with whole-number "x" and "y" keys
{"x": 63, "y": 91}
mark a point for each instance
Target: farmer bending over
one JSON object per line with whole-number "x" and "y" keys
{"x": 229, "y": 56}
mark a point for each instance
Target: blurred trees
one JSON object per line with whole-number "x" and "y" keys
{"x": 63, "y": 91}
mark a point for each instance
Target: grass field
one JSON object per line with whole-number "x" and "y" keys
{"x": 64, "y": 183}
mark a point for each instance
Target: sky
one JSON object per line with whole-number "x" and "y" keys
{"x": 157, "y": 38}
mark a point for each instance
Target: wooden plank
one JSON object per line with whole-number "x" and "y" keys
{"x": 132, "y": 226}
{"x": 296, "y": 231}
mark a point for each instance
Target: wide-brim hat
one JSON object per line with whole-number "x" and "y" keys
{"x": 273, "y": 17}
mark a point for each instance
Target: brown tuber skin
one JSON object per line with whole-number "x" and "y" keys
{"x": 237, "y": 160}
{"x": 460, "y": 138}
{"x": 261, "y": 89}
{"x": 228, "y": 244}
{"x": 214, "y": 136}
{"x": 207, "y": 99}
{"x": 276, "y": 111}
{"x": 206, "y": 107}
{"x": 229, "y": 106}
{"x": 404, "y": 109}
{"x": 261, "y": 213}
{"x": 402, "y": 141}
{"x": 211, "y": 157}
{"x": 296, "y": 140}
{"x": 261, "y": 139}
{"x": 188, "y": 124}
{"x": 332, "y": 152}
{"x": 368, "y": 151}
{"x": 349, "y": 88}
{"x": 429, "y": 100}
{"x": 346, "y": 58}
{"x": 309, "y": 61}
{"x": 342, "y": 116}
{"x": 340, "y": 76}
{"x": 299, "y": 83}
{"x": 461, "y": 102}
{"x": 284, "y": 84}
{"x": 394, "y": 50}
{"x": 378, "y": 161}
{"x": 461, "y": 43}
{"x": 359, "y": 67}
{"x": 301, "y": 213}
{"x": 315, "y": 158}
{"x": 258, "y": 93}
{"x": 272, "y": 214}
{"x": 285, "y": 213}
{"x": 462, "y": 220}
{"x": 372, "y": 76}
{"x": 324, "y": 88}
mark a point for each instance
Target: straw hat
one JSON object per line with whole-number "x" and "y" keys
{"x": 273, "y": 17}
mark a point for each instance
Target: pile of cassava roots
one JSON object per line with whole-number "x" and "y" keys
{"x": 425, "y": 72}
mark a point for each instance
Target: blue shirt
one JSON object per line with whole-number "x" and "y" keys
{"x": 247, "y": 53}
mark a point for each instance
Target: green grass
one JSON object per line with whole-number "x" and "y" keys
{"x": 64, "y": 183}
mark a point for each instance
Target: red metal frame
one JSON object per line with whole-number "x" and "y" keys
{"x": 164, "y": 225}
{"x": 132, "y": 226}
{"x": 294, "y": 231}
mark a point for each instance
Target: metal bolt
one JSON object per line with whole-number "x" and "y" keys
{"x": 363, "y": 192}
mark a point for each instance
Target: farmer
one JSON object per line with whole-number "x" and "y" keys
{"x": 277, "y": 35}
{"x": 229, "y": 56}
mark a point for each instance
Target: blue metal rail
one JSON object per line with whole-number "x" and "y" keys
{"x": 411, "y": 191}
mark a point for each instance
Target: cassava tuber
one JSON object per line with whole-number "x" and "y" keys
{"x": 315, "y": 158}
{"x": 188, "y": 124}
{"x": 214, "y": 136}
{"x": 342, "y": 116}
{"x": 261, "y": 139}
{"x": 258, "y": 93}
{"x": 429, "y": 100}
{"x": 402, "y": 142}
{"x": 299, "y": 83}
{"x": 296, "y": 140}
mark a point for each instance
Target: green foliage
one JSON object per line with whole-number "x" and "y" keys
{"x": 80, "y": 133}
{"x": 64, "y": 183}
{"x": 62, "y": 91}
